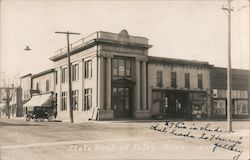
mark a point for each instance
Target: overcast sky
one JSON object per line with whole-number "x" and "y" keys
{"x": 187, "y": 29}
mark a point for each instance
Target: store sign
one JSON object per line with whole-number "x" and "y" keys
{"x": 122, "y": 50}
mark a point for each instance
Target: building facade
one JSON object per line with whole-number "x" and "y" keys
{"x": 239, "y": 94}
{"x": 114, "y": 74}
{"x": 113, "y": 77}
{"x": 178, "y": 88}
{"x": 26, "y": 84}
{"x": 108, "y": 74}
{"x": 44, "y": 82}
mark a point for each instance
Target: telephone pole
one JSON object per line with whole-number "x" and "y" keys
{"x": 229, "y": 78}
{"x": 69, "y": 75}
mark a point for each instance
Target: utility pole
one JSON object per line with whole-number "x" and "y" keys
{"x": 229, "y": 78}
{"x": 69, "y": 75}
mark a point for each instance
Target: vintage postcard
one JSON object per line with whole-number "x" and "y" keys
{"x": 124, "y": 79}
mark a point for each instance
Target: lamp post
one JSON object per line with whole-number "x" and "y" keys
{"x": 69, "y": 75}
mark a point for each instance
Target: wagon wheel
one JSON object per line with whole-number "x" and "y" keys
{"x": 28, "y": 118}
{"x": 50, "y": 118}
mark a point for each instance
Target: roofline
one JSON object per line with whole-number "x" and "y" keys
{"x": 118, "y": 33}
{"x": 26, "y": 75}
{"x": 175, "y": 60}
{"x": 237, "y": 69}
{"x": 43, "y": 73}
{"x": 98, "y": 41}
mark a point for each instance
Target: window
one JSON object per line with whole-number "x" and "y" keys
{"x": 187, "y": 80}
{"x": 219, "y": 107}
{"x": 240, "y": 107}
{"x": 121, "y": 67}
{"x": 156, "y": 96}
{"x": 159, "y": 78}
{"x": 75, "y": 72}
{"x": 47, "y": 85}
{"x": 37, "y": 86}
{"x": 75, "y": 100}
{"x": 243, "y": 94}
{"x": 64, "y": 101}
{"x": 128, "y": 67}
{"x": 173, "y": 79}
{"x": 200, "y": 85}
{"x": 64, "y": 73}
{"x": 87, "y": 99}
{"x": 88, "y": 69}
{"x": 56, "y": 77}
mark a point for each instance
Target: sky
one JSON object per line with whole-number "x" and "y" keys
{"x": 185, "y": 29}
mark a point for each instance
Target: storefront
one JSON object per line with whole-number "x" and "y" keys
{"x": 239, "y": 93}
{"x": 177, "y": 104}
{"x": 239, "y": 103}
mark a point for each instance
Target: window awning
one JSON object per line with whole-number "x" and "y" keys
{"x": 43, "y": 100}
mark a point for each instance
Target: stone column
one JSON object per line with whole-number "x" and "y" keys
{"x": 80, "y": 81}
{"x": 59, "y": 89}
{"x": 138, "y": 85}
{"x": 144, "y": 86}
{"x": 100, "y": 82}
{"x": 108, "y": 83}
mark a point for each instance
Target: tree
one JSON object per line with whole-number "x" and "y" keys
{"x": 7, "y": 93}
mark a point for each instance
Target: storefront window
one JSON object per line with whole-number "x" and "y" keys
{"x": 198, "y": 102}
{"x": 240, "y": 107}
{"x": 219, "y": 107}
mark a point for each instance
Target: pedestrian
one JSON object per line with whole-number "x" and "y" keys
{"x": 55, "y": 113}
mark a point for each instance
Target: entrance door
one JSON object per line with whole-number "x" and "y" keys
{"x": 121, "y": 102}
{"x": 177, "y": 105}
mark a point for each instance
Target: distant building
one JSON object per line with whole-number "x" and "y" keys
{"x": 25, "y": 83}
{"x": 44, "y": 82}
{"x": 239, "y": 94}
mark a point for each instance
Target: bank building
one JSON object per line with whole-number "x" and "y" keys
{"x": 114, "y": 75}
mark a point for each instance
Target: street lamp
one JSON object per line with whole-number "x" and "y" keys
{"x": 27, "y": 48}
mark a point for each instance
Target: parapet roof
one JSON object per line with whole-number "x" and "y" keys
{"x": 122, "y": 38}
{"x": 176, "y": 61}
{"x": 26, "y": 75}
{"x": 43, "y": 73}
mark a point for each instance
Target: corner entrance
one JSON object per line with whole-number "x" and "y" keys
{"x": 121, "y": 102}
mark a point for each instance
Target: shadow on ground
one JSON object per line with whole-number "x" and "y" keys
{"x": 3, "y": 124}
